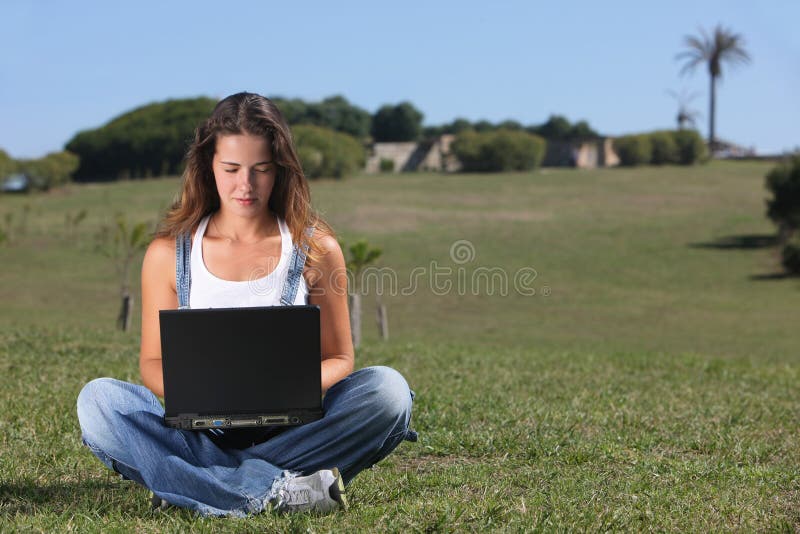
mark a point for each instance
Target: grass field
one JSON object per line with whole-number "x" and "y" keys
{"x": 649, "y": 382}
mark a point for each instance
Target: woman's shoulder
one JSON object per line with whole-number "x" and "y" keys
{"x": 160, "y": 254}
{"x": 329, "y": 259}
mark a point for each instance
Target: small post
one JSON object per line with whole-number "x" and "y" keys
{"x": 355, "y": 319}
{"x": 383, "y": 321}
{"x": 124, "y": 319}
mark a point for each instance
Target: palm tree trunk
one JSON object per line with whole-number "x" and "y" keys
{"x": 712, "y": 137}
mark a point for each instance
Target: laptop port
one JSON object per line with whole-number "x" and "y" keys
{"x": 244, "y": 422}
{"x": 199, "y": 423}
{"x": 218, "y": 422}
{"x": 275, "y": 420}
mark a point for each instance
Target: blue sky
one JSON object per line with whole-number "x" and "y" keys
{"x": 68, "y": 66}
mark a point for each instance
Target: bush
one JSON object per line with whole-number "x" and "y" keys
{"x": 499, "y": 150}
{"x": 52, "y": 170}
{"x": 324, "y": 152}
{"x": 784, "y": 207}
{"x": 7, "y": 165}
{"x": 387, "y": 165}
{"x": 664, "y": 148}
{"x": 790, "y": 255}
{"x": 634, "y": 149}
{"x": 691, "y": 147}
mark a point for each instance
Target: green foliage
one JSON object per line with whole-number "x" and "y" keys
{"x": 334, "y": 112}
{"x": 122, "y": 243}
{"x": 634, "y": 149}
{"x": 73, "y": 220}
{"x": 790, "y": 255}
{"x": 7, "y": 165}
{"x": 558, "y": 128}
{"x": 52, "y": 170}
{"x": 387, "y": 165}
{"x": 664, "y": 148}
{"x": 661, "y": 147}
{"x": 360, "y": 255}
{"x": 691, "y": 147}
{"x": 499, "y": 151}
{"x": 148, "y": 141}
{"x": 324, "y": 152}
{"x": 402, "y": 122}
{"x": 783, "y": 182}
{"x": 582, "y": 130}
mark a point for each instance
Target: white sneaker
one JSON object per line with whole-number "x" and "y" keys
{"x": 321, "y": 492}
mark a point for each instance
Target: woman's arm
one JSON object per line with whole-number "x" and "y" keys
{"x": 328, "y": 290}
{"x": 158, "y": 293}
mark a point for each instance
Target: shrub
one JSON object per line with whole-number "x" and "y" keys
{"x": 634, "y": 149}
{"x": 691, "y": 147}
{"x": 324, "y": 152}
{"x": 387, "y": 165}
{"x": 784, "y": 207}
{"x": 790, "y": 255}
{"x": 499, "y": 150}
{"x": 7, "y": 165}
{"x": 52, "y": 170}
{"x": 664, "y": 148}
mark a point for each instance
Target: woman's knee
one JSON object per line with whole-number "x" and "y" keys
{"x": 389, "y": 393}
{"x": 102, "y": 403}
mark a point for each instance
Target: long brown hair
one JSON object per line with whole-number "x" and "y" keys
{"x": 246, "y": 113}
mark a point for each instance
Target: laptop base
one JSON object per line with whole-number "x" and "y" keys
{"x": 204, "y": 422}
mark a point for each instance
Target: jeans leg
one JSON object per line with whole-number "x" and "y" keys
{"x": 366, "y": 417}
{"x": 122, "y": 424}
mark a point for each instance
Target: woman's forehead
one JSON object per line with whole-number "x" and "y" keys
{"x": 242, "y": 146}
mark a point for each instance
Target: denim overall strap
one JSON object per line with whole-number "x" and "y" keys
{"x": 183, "y": 270}
{"x": 296, "y": 264}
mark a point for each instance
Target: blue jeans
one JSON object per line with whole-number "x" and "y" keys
{"x": 366, "y": 417}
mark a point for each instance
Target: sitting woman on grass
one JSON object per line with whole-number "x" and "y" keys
{"x": 245, "y": 208}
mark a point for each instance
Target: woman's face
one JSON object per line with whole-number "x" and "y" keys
{"x": 244, "y": 174}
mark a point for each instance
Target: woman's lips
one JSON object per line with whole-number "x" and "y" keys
{"x": 245, "y": 201}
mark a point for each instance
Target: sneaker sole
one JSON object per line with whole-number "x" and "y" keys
{"x": 336, "y": 490}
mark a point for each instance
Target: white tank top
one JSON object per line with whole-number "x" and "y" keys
{"x": 209, "y": 291}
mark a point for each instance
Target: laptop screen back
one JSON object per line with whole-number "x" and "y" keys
{"x": 241, "y": 360}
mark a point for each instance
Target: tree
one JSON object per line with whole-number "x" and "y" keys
{"x": 556, "y": 127}
{"x": 123, "y": 244}
{"x": 325, "y": 152}
{"x": 723, "y": 46}
{"x": 361, "y": 255}
{"x": 402, "y": 122}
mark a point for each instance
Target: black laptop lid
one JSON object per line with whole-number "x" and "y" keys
{"x": 241, "y": 360}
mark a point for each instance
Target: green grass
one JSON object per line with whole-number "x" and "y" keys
{"x": 650, "y": 383}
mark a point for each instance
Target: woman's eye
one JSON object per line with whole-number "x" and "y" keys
{"x": 231, "y": 170}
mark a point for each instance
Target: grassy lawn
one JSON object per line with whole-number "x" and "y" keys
{"x": 649, "y": 382}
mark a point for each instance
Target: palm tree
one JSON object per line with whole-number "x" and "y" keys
{"x": 723, "y": 46}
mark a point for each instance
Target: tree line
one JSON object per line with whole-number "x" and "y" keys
{"x": 151, "y": 140}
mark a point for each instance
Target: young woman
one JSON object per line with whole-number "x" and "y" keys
{"x": 243, "y": 215}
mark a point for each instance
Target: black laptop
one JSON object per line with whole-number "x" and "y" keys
{"x": 241, "y": 367}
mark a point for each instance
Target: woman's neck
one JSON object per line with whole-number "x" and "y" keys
{"x": 243, "y": 230}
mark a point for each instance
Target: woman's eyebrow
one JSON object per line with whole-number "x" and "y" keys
{"x": 239, "y": 164}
